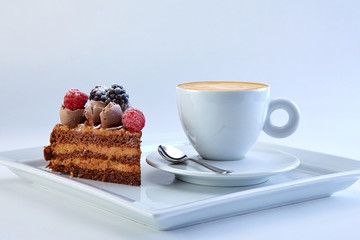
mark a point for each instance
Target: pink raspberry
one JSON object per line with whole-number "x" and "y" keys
{"x": 133, "y": 119}
{"x": 74, "y": 99}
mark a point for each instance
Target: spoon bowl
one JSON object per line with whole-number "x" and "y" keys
{"x": 175, "y": 155}
{"x": 172, "y": 153}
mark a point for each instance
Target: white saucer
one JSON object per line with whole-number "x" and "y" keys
{"x": 257, "y": 167}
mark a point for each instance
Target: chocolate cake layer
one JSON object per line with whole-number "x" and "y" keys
{"x": 88, "y": 134}
{"x": 108, "y": 175}
{"x": 111, "y": 155}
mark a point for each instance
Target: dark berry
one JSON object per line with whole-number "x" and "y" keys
{"x": 116, "y": 86}
{"x": 117, "y": 94}
{"x": 118, "y": 90}
{"x": 98, "y": 93}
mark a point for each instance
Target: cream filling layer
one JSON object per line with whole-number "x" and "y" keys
{"x": 97, "y": 164}
{"x": 65, "y": 148}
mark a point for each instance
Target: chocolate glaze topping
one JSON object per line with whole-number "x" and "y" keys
{"x": 92, "y": 112}
{"x": 71, "y": 118}
{"x": 111, "y": 115}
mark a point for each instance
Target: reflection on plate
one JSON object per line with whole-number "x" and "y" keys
{"x": 257, "y": 167}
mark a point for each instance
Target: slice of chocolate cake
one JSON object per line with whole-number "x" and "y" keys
{"x": 99, "y": 142}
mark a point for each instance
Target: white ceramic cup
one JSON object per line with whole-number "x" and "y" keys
{"x": 223, "y": 123}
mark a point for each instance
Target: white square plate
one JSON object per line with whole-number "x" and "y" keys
{"x": 165, "y": 203}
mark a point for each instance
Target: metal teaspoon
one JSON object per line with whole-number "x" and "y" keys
{"x": 175, "y": 155}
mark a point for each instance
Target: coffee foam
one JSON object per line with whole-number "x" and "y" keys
{"x": 222, "y": 86}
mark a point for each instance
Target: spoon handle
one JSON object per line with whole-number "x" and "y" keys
{"x": 212, "y": 168}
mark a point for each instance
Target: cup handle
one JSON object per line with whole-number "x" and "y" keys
{"x": 292, "y": 124}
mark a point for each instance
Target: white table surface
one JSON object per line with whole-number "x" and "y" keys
{"x": 30, "y": 212}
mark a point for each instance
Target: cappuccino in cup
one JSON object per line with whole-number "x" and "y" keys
{"x": 223, "y": 119}
{"x": 222, "y": 86}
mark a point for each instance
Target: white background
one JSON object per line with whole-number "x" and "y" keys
{"x": 308, "y": 51}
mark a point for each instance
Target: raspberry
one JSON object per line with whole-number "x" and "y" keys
{"x": 133, "y": 119}
{"x": 74, "y": 99}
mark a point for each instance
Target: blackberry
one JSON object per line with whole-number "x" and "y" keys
{"x": 98, "y": 93}
{"x": 117, "y": 94}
